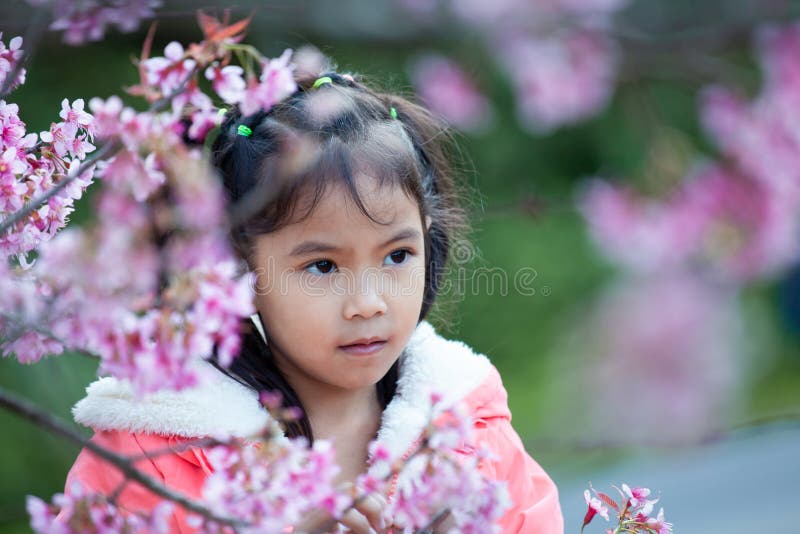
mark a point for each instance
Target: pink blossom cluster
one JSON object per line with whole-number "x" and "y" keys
{"x": 87, "y": 20}
{"x": 633, "y": 511}
{"x": 438, "y": 481}
{"x": 557, "y": 53}
{"x": 81, "y": 512}
{"x": 9, "y": 61}
{"x": 677, "y": 358}
{"x": 29, "y": 169}
{"x": 152, "y": 286}
{"x": 98, "y": 289}
{"x": 739, "y": 217}
{"x": 272, "y": 484}
{"x": 727, "y": 224}
{"x": 275, "y": 83}
{"x": 178, "y": 68}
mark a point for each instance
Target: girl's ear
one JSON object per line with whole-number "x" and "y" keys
{"x": 427, "y": 222}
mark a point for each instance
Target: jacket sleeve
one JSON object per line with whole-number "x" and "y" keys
{"x": 95, "y": 475}
{"x": 535, "y": 508}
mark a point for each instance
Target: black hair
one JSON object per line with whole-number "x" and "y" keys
{"x": 304, "y": 144}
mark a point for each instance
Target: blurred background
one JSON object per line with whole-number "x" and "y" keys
{"x": 632, "y": 267}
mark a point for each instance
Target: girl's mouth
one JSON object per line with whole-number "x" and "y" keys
{"x": 364, "y": 348}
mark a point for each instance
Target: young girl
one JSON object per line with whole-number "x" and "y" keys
{"x": 344, "y": 208}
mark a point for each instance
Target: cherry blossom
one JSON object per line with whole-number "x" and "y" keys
{"x": 595, "y": 507}
{"x": 559, "y": 79}
{"x": 87, "y": 20}
{"x": 273, "y": 485}
{"x": 447, "y": 90}
{"x": 275, "y": 83}
{"x": 632, "y": 513}
{"x": 81, "y": 511}
{"x": 227, "y": 82}
{"x": 734, "y": 228}
{"x": 637, "y": 497}
{"x": 9, "y": 58}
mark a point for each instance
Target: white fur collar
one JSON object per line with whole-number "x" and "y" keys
{"x": 223, "y": 406}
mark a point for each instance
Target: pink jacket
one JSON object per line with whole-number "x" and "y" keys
{"x": 429, "y": 363}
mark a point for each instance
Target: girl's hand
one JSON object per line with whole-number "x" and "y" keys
{"x": 368, "y": 516}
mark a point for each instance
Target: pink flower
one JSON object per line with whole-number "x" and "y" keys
{"x": 447, "y": 90}
{"x": 12, "y": 129}
{"x": 227, "y": 82}
{"x": 638, "y": 499}
{"x": 273, "y": 483}
{"x": 75, "y": 116}
{"x": 106, "y": 115}
{"x": 595, "y": 507}
{"x": 87, "y": 20}
{"x": 12, "y": 192}
{"x": 9, "y": 58}
{"x": 761, "y": 136}
{"x": 31, "y": 347}
{"x": 128, "y": 170}
{"x": 735, "y": 228}
{"x": 658, "y": 524}
{"x": 128, "y": 14}
{"x": 275, "y": 84}
{"x": 202, "y": 122}
{"x": 167, "y": 73}
{"x": 81, "y": 511}
{"x": 438, "y": 478}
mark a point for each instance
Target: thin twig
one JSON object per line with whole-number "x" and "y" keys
{"x": 31, "y": 412}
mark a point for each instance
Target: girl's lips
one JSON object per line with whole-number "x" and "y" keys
{"x": 363, "y": 348}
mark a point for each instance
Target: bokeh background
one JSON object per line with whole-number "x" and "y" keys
{"x": 709, "y": 420}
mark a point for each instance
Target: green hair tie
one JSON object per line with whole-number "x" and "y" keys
{"x": 221, "y": 112}
{"x": 244, "y": 130}
{"x": 393, "y": 112}
{"x": 321, "y": 81}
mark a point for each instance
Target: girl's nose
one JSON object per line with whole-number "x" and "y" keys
{"x": 365, "y": 300}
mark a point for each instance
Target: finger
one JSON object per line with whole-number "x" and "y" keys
{"x": 373, "y": 507}
{"x": 356, "y": 522}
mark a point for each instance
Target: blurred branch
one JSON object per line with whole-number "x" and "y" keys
{"x": 560, "y": 446}
{"x": 30, "y": 40}
{"x": 36, "y": 415}
{"x": 531, "y": 205}
{"x": 23, "y": 327}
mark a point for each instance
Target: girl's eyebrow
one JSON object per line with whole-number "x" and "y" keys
{"x": 309, "y": 247}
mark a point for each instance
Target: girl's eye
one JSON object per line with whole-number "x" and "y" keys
{"x": 321, "y": 266}
{"x": 399, "y": 256}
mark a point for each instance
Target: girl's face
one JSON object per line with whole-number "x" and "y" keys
{"x": 336, "y": 278}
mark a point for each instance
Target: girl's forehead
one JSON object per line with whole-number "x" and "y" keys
{"x": 338, "y": 205}
{"x": 338, "y": 222}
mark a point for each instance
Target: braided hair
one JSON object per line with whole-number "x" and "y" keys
{"x": 318, "y": 137}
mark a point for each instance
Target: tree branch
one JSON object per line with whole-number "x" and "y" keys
{"x": 28, "y": 410}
